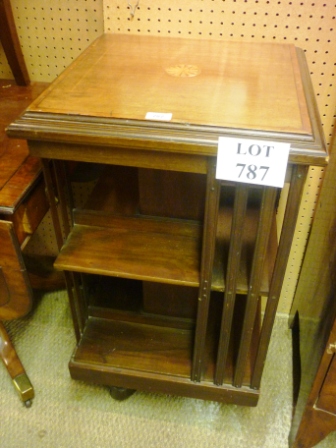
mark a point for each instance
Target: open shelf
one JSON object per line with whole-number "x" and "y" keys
{"x": 126, "y": 345}
{"x": 111, "y": 236}
{"x": 142, "y": 248}
{"x": 117, "y": 344}
{"x": 155, "y": 249}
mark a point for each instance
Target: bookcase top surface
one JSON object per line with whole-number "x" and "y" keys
{"x": 198, "y": 82}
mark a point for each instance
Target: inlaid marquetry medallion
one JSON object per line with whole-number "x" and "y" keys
{"x": 183, "y": 70}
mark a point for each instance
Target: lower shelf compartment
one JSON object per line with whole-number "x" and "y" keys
{"x": 136, "y": 346}
{"x": 145, "y": 353}
{"x": 169, "y": 385}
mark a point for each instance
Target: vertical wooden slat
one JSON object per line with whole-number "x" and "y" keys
{"x": 264, "y": 229}
{"x": 73, "y": 280}
{"x": 52, "y": 202}
{"x": 64, "y": 195}
{"x": 71, "y": 283}
{"x": 73, "y": 302}
{"x": 236, "y": 240}
{"x": 298, "y": 179}
{"x": 79, "y": 301}
{"x": 208, "y": 250}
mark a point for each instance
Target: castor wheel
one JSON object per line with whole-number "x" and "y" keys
{"x": 120, "y": 393}
{"x": 28, "y": 403}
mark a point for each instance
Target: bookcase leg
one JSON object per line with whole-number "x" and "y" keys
{"x": 120, "y": 393}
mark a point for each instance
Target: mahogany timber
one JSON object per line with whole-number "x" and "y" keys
{"x": 18, "y": 171}
{"x": 22, "y": 206}
{"x": 16, "y": 297}
{"x": 244, "y": 83}
{"x": 143, "y": 230}
{"x": 243, "y": 80}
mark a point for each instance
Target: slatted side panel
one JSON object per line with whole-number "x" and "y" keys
{"x": 52, "y": 34}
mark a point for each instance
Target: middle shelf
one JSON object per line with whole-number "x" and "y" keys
{"x": 157, "y": 249}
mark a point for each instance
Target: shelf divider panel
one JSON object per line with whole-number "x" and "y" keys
{"x": 253, "y": 296}
{"x": 236, "y": 241}
{"x": 299, "y": 175}
{"x": 208, "y": 253}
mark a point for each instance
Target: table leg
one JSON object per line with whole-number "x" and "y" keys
{"x": 15, "y": 367}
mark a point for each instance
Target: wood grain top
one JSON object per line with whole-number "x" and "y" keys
{"x": 208, "y": 88}
{"x": 199, "y": 82}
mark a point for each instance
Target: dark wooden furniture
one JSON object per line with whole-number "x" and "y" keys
{"x": 165, "y": 265}
{"x": 23, "y": 204}
{"x": 11, "y": 44}
{"x": 313, "y": 318}
{"x": 22, "y": 200}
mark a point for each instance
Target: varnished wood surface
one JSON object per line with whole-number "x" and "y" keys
{"x": 179, "y": 301}
{"x": 169, "y": 250}
{"x": 116, "y": 190}
{"x": 8, "y": 354}
{"x": 15, "y": 291}
{"x": 30, "y": 212}
{"x": 122, "y": 344}
{"x": 237, "y": 85}
{"x": 326, "y": 400}
{"x": 19, "y": 184}
{"x": 132, "y": 250}
{"x": 95, "y": 112}
{"x": 249, "y": 234}
{"x": 85, "y": 371}
{"x": 159, "y": 189}
{"x": 114, "y": 342}
{"x": 18, "y": 170}
{"x": 256, "y": 90}
{"x": 122, "y": 156}
{"x": 212, "y": 201}
{"x": 265, "y": 224}
{"x": 298, "y": 180}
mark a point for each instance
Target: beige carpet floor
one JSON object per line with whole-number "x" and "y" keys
{"x": 70, "y": 414}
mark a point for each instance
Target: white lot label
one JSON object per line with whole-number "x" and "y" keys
{"x": 159, "y": 116}
{"x": 252, "y": 161}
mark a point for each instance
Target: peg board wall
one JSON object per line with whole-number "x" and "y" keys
{"x": 53, "y": 33}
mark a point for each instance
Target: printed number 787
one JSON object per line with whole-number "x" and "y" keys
{"x": 251, "y": 171}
